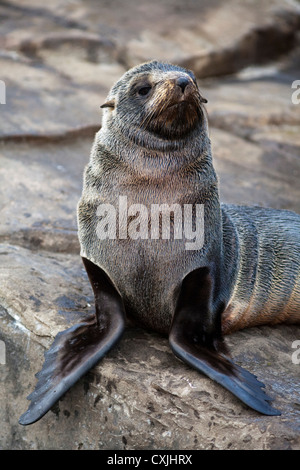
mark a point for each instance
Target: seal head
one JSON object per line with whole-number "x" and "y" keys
{"x": 165, "y": 99}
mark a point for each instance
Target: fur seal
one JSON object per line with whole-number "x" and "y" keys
{"x": 153, "y": 154}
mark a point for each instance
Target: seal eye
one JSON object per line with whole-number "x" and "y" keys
{"x": 143, "y": 91}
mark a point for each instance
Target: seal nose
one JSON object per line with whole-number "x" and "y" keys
{"x": 182, "y": 82}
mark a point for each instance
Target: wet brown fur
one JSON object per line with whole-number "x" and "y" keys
{"x": 156, "y": 151}
{"x": 154, "y": 148}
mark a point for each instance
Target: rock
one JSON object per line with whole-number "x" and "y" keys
{"x": 58, "y": 62}
{"x": 261, "y": 44}
{"x": 254, "y": 174}
{"x": 211, "y": 49}
{"x": 140, "y": 396}
{"x": 50, "y": 293}
{"x": 91, "y": 43}
{"x": 81, "y": 57}
{"x": 41, "y": 185}
{"x": 38, "y": 102}
{"x": 259, "y": 98}
{"x": 255, "y": 135}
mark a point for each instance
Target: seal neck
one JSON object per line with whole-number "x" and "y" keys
{"x": 149, "y": 155}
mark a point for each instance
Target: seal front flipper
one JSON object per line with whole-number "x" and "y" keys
{"x": 196, "y": 338}
{"x": 77, "y": 349}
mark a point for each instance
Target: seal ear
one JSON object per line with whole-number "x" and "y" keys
{"x": 203, "y": 100}
{"x": 109, "y": 104}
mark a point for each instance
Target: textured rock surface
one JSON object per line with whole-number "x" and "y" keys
{"x": 58, "y": 62}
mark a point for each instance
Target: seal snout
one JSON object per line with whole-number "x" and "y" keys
{"x": 182, "y": 82}
{"x": 174, "y": 105}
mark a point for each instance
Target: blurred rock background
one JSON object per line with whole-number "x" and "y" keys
{"x": 58, "y": 60}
